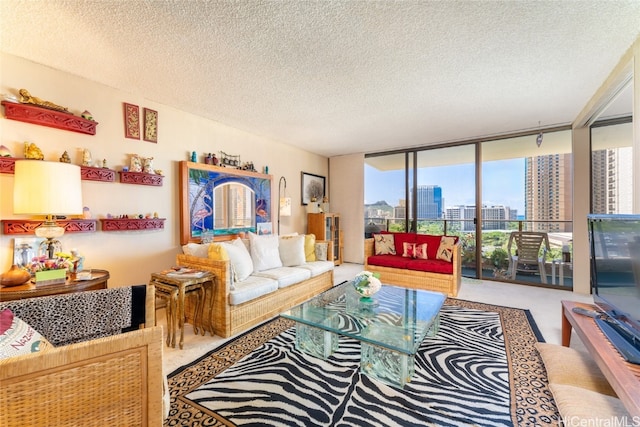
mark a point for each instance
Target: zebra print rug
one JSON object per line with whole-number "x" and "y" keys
{"x": 481, "y": 369}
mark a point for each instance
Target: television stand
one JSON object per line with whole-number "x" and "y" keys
{"x": 623, "y": 376}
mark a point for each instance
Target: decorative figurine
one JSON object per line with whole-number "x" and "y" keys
{"x": 209, "y": 159}
{"x": 215, "y": 160}
{"x": 31, "y": 151}
{"x": 136, "y": 163}
{"x": 104, "y": 163}
{"x": 87, "y": 115}
{"x": 26, "y": 98}
{"x": 86, "y": 213}
{"x": 4, "y": 151}
{"x": 147, "y": 165}
{"x": 158, "y": 171}
{"x": 155, "y": 215}
{"x": 194, "y": 156}
{"x": 86, "y": 157}
{"x": 65, "y": 157}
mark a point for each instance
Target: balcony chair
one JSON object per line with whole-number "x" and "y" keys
{"x": 526, "y": 253}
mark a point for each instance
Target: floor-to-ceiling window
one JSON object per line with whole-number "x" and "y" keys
{"x": 482, "y": 191}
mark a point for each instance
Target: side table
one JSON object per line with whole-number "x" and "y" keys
{"x": 174, "y": 289}
{"x": 98, "y": 280}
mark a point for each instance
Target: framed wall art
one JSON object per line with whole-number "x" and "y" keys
{"x": 150, "y": 125}
{"x": 131, "y": 121}
{"x": 312, "y": 186}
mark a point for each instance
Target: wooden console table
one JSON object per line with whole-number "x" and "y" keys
{"x": 29, "y": 290}
{"x": 624, "y": 377}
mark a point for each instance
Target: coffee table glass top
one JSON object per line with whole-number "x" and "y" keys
{"x": 395, "y": 318}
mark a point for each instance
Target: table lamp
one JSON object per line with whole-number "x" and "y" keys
{"x": 50, "y": 189}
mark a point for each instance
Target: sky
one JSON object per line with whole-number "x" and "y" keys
{"x": 503, "y": 184}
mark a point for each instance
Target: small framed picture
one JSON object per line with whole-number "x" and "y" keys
{"x": 150, "y": 125}
{"x": 264, "y": 228}
{"x": 312, "y": 187}
{"x": 131, "y": 121}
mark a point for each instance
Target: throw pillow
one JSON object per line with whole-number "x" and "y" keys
{"x": 384, "y": 244}
{"x": 408, "y": 250}
{"x": 17, "y": 337}
{"x": 218, "y": 252}
{"x": 321, "y": 251}
{"x": 196, "y": 249}
{"x": 445, "y": 250}
{"x": 421, "y": 251}
{"x": 309, "y": 247}
{"x": 291, "y": 250}
{"x": 264, "y": 251}
{"x": 240, "y": 259}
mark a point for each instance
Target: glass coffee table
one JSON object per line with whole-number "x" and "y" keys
{"x": 390, "y": 326}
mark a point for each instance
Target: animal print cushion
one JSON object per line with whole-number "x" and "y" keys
{"x": 445, "y": 250}
{"x": 384, "y": 244}
{"x": 17, "y": 337}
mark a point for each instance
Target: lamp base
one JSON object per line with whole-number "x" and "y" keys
{"x": 49, "y": 248}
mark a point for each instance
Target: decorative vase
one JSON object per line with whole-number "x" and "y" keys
{"x": 366, "y": 284}
{"x": 15, "y": 276}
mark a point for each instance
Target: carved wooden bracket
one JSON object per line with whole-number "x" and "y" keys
{"x": 7, "y": 165}
{"x": 141, "y": 178}
{"x": 90, "y": 173}
{"x": 45, "y": 117}
{"x": 131, "y": 224}
{"x": 27, "y": 226}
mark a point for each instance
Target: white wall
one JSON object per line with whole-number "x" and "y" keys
{"x": 132, "y": 256}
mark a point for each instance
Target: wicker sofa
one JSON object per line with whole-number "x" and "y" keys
{"x": 429, "y": 274}
{"x": 230, "y": 318}
{"x": 112, "y": 380}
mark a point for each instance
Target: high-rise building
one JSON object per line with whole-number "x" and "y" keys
{"x": 461, "y": 217}
{"x": 429, "y": 202}
{"x": 611, "y": 181}
{"x": 548, "y": 192}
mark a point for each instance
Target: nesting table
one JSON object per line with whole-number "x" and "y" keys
{"x": 174, "y": 288}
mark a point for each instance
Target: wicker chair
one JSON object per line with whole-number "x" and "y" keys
{"x": 111, "y": 381}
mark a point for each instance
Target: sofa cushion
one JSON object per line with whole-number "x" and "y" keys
{"x": 240, "y": 259}
{"x": 309, "y": 247}
{"x": 392, "y": 261}
{"x": 400, "y": 238}
{"x": 264, "y": 251}
{"x": 421, "y": 251}
{"x": 384, "y": 244}
{"x": 430, "y": 265}
{"x": 318, "y": 267}
{"x": 432, "y": 242}
{"x": 195, "y": 249}
{"x": 321, "y": 251}
{"x": 291, "y": 249}
{"x": 18, "y": 337}
{"x": 251, "y": 288}
{"x": 217, "y": 252}
{"x": 445, "y": 250}
{"x": 566, "y": 365}
{"x": 588, "y": 407}
{"x": 286, "y": 276}
{"x": 408, "y": 250}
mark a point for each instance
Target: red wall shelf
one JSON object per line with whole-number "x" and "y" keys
{"x": 90, "y": 173}
{"x": 27, "y": 226}
{"x": 51, "y": 118}
{"x": 131, "y": 224}
{"x": 141, "y": 178}
{"x": 7, "y": 164}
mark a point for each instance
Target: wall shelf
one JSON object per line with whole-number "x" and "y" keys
{"x": 28, "y": 226}
{"x": 46, "y": 117}
{"x": 89, "y": 173}
{"x": 132, "y": 224}
{"x": 7, "y": 164}
{"x": 141, "y": 178}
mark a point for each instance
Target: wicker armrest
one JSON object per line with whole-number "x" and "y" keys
{"x": 90, "y": 383}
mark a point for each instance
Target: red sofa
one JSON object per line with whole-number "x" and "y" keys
{"x": 429, "y": 274}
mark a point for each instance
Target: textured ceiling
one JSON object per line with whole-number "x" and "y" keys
{"x": 338, "y": 77}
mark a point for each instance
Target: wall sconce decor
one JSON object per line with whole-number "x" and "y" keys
{"x": 284, "y": 206}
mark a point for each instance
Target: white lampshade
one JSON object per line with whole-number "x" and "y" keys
{"x": 46, "y": 188}
{"x": 285, "y": 206}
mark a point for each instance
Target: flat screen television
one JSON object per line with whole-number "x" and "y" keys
{"x": 615, "y": 278}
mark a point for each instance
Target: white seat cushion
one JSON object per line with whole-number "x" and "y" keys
{"x": 318, "y": 267}
{"x": 250, "y": 288}
{"x": 286, "y": 276}
{"x": 264, "y": 252}
{"x": 291, "y": 250}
